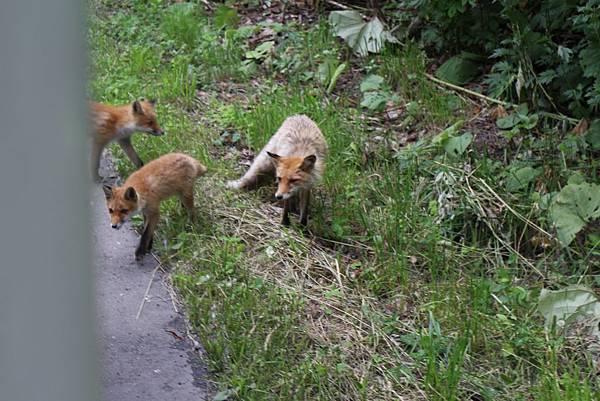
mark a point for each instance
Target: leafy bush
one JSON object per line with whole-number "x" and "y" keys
{"x": 545, "y": 52}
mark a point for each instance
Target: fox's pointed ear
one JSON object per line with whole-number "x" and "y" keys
{"x": 152, "y": 102}
{"x": 137, "y": 108}
{"x": 308, "y": 163}
{"x": 130, "y": 194}
{"x": 274, "y": 155}
{"x": 108, "y": 191}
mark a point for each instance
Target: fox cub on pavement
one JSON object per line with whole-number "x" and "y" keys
{"x": 171, "y": 174}
{"x": 118, "y": 123}
{"x": 296, "y": 153}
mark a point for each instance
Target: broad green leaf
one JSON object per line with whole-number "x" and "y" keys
{"x": 576, "y": 178}
{"x": 374, "y": 100}
{"x": 529, "y": 122}
{"x": 522, "y": 109}
{"x": 567, "y": 223}
{"x": 573, "y": 207}
{"x": 509, "y": 121}
{"x": 568, "y": 305}
{"x": 449, "y": 132}
{"x": 372, "y": 82}
{"x": 456, "y": 146}
{"x": 324, "y": 72}
{"x": 261, "y": 51}
{"x": 363, "y": 37}
{"x": 458, "y": 70}
{"x": 520, "y": 178}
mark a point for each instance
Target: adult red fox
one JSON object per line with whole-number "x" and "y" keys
{"x": 118, "y": 123}
{"x": 296, "y": 154}
{"x": 171, "y": 174}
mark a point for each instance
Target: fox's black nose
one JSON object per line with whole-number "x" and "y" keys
{"x": 115, "y": 226}
{"x": 159, "y": 132}
{"x": 279, "y": 197}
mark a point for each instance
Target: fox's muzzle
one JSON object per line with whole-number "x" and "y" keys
{"x": 284, "y": 196}
{"x": 116, "y": 226}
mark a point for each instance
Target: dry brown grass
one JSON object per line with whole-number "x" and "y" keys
{"x": 336, "y": 314}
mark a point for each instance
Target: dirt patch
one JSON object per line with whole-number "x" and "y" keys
{"x": 487, "y": 138}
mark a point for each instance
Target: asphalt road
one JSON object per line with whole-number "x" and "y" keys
{"x": 147, "y": 358}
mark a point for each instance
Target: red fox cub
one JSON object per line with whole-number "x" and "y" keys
{"x": 296, "y": 153}
{"x": 118, "y": 123}
{"x": 171, "y": 174}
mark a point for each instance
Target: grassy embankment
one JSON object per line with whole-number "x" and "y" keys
{"x": 415, "y": 282}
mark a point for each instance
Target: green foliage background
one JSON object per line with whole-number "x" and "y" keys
{"x": 545, "y": 52}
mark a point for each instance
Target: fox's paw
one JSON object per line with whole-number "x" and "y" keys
{"x": 139, "y": 254}
{"x": 235, "y": 184}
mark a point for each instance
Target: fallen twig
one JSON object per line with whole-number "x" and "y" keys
{"x": 554, "y": 116}
{"x": 147, "y": 290}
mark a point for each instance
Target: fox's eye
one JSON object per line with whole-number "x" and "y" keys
{"x": 124, "y": 211}
{"x": 110, "y": 211}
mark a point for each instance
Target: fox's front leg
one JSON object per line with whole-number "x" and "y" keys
{"x": 285, "y": 220}
{"x": 127, "y": 147}
{"x": 97, "y": 148}
{"x": 150, "y": 222}
{"x": 262, "y": 164}
{"x": 304, "y": 202}
{"x": 187, "y": 200}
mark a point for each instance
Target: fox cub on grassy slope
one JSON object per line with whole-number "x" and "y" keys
{"x": 171, "y": 174}
{"x": 118, "y": 123}
{"x": 296, "y": 153}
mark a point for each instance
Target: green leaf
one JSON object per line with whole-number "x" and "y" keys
{"x": 261, "y": 51}
{"x": 456, "y": 146}
{"x": 547, "y": 76}
{"x": 372, "y": 82}
{"x": 374, "y": 100}
{"x": 336, "y": 74}
{"x": 573, "y": 207}
{"x": 588, "y": 58}
{"x": 509, "y": 121}
{"x": 333, "y": 293}
{"x": 362, "y": 37}
{"x": 568, "y": 305}
{"x": 529, "y": 122}
{"x": 458, "y": 70}
{"x": 564, "y": 53}
{"x": 449, "y": 132}
{"x": 520, "y": 178}
{"x": 576, "y": 178}
{"x": 592, "y": 135}
{"x": 324, "y": 72}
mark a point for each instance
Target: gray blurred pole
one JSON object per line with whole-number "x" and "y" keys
{"x": 47, "y": 343}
